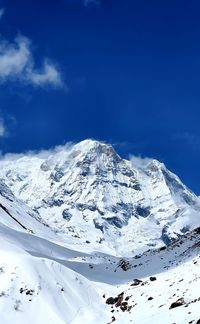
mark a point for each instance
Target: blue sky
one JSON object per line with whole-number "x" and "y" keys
{"x": 126, "y": 72}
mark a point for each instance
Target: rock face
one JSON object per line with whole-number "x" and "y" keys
{"x": 178, "y": 303}
{"x": 89, "y": 193}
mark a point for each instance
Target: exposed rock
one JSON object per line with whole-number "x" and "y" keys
{"x": 66, "y": 214}
{"x": 163, "y": 248}
{"x": 197, "y": 230}
{"x": 136, "y": 282}
{"x": 111, "y": 301}
{"x": 179, "y": 302}
{"x": 142, "y": 211}
{"x": 124, "y": 264}
{"x": 120, "y": 302}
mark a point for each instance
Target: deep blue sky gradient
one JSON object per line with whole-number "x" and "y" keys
{"x": 132, "y": 69}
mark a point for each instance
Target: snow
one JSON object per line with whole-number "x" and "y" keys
{"x": 49, "y": 274}
{"x": 35, "y": 286}
{"x": 42, "y": 281}
{"x": 87, "y": 192}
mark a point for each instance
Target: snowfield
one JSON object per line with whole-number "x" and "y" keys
{"x": 147, "y": 270}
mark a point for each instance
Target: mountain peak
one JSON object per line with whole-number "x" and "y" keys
{"x": 96, "y": 149}
{"x": 88, "y": 191}
{"x": 90, "y": 144}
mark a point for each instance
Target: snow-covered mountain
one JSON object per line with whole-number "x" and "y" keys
{"x": 49, "y": 274}
{"x": 101, "y": 202}
{"x": 42, "y": 281}
{"x": 34, "y": 285}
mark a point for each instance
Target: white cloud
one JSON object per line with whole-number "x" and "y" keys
{"x": 43, "y": 153}
{"x": 14, "y": 58}
{"x": 2, "y": 128}
{"x": 49, "y": 74}
{"x": 2, "y": 11}
{"x": 140, "y": 162}
{"x": 17, "y": 63}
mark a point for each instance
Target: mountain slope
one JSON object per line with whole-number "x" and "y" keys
{"x": 46, "y": 277}
{"x": 34, "y": 287}
{"x": 42, "y": 281}
{"x": 99, "y": 201}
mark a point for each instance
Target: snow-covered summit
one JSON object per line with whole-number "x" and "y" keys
{"x": 95, "y": 198}
{"x": 97, "y": 202}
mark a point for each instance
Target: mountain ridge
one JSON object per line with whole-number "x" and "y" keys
{"x": 144, "y": 267}
{"x": 88, "y": 192}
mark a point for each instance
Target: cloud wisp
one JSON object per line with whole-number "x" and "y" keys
{"x": 88, "y": 3}
{"x": 2, "y": 11}
{"x": 186, "y": 138}
{"x": 42, "y": 154}
{"x": 17, "y": 64}
{"x": 3, "y": 131}
{"x": 85, "y": 3}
